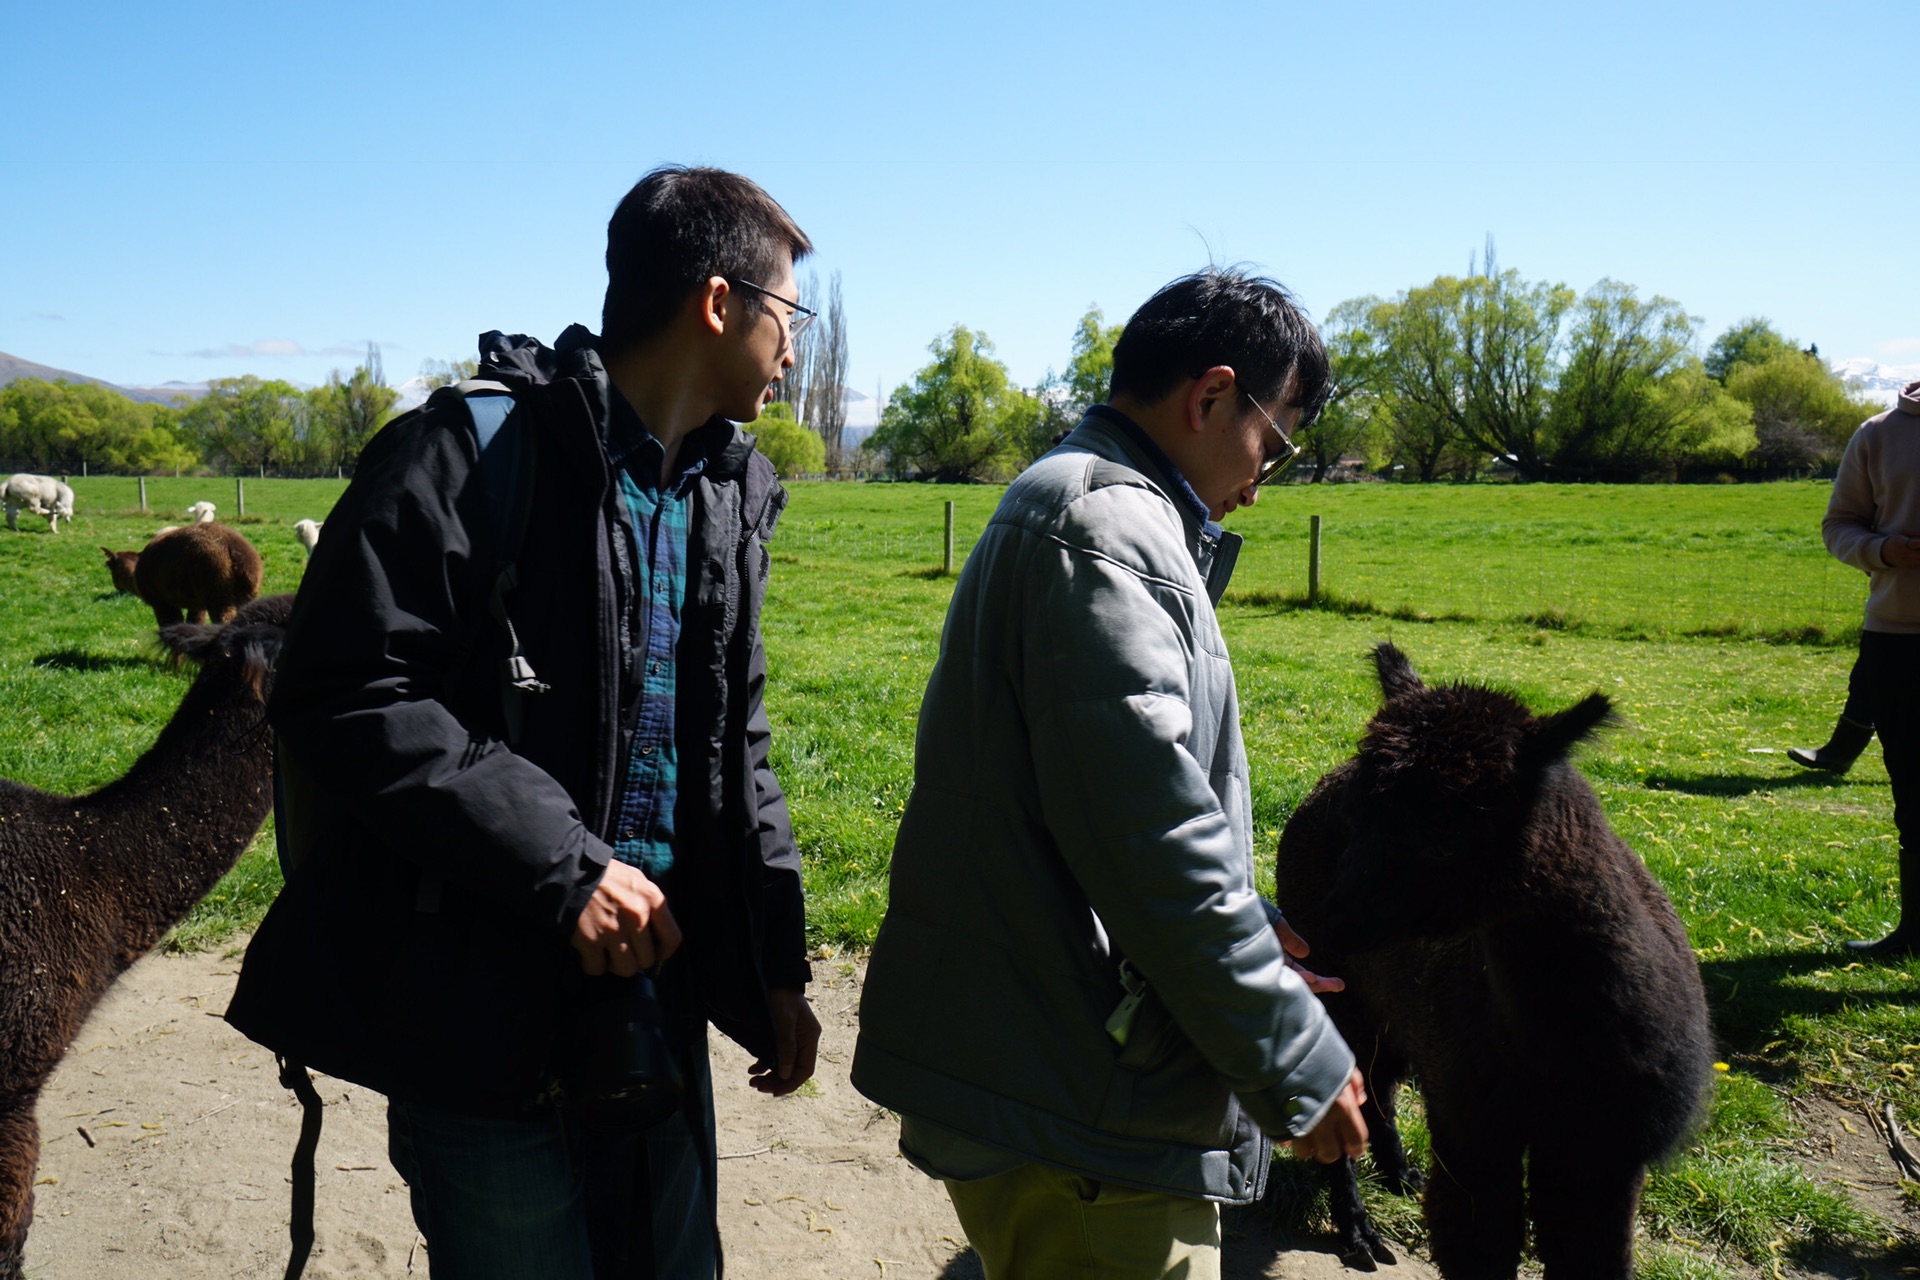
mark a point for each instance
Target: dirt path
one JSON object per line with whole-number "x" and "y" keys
{"x": 191, "y": 1134}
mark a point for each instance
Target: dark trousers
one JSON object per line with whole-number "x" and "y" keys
{"x": 1859, "y": 708}
{"x": 1890, "y": 676}
{"x": 550, "y": 1197}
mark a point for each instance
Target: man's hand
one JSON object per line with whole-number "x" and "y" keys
{"x": 797, "y": 1033}
{"x": 626, "y": 926}
{"x": 1901, "y": 551}
{"x": 1296, "y": 948}
{"x": 1342, "y": 1131}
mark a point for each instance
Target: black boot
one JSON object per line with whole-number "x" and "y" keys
{"x": 1850, "y": 738}
{"x": 1904, "y": 941}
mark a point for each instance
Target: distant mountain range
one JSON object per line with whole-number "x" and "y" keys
{"x": 12, "y": 367}
{"x": 1874, "y": 380}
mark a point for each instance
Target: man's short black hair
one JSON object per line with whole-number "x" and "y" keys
{"x": 1223, "y": 316}
{"x": 677, "y": 228}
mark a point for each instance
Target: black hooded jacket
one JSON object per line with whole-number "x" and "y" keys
{"x": 422, "y": 947}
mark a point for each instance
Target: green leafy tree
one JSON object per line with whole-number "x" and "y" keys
{"x": 1803, "y": 415}
{"x": 1354, "y": 411}
{"x": 444, "y": 373}
{"x": 1471, "y": 363}
{"x": 961, "y": 418}
{"x": 1613, "y": 414}
{"x": 1753, "y": 340}
{"x": 251, "y": 424}
{"x": 1090, "y": 366}
{"x": 67, "y": 427}
{"x": 346, "y": 413}
{"x": 793, "y": 450}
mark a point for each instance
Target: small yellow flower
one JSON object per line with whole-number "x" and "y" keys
{"x": 1721, "y": 1066}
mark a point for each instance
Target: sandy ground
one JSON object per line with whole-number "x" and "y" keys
{"x": 186, "y": 1171}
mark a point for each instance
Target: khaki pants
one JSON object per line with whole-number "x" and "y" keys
{"x": 1041, "y": 1223}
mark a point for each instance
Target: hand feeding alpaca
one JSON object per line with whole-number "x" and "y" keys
{"x": 90, "y": 883}
{"x": 1504, "y": 947}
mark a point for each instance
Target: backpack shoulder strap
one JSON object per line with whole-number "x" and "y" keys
{"x": 506, "y": 474}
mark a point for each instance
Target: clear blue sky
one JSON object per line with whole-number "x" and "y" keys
{"x": 197, "y": 190}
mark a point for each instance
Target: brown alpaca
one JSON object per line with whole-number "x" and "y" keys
{"x": 120, "y": 567}
{"x": 1509, "y": 951}
{"x": 200, "y": 568}
{"x": 90, "y": 883}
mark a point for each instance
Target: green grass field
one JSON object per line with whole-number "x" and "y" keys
{"x": 1711, "y": 615}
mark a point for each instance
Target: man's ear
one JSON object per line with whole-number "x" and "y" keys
{"x": 714, "y": 303}
{"x": 1206, "y": 393}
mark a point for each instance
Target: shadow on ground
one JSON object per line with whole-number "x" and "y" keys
{"x": 1742, "y": 784}
{"x": 74, "y": 660}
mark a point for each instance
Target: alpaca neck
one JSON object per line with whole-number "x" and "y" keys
{"x": 162, "y": 836}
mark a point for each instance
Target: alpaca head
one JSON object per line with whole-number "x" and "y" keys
{"x": 120, "y": 567}
{"x": 240, "y": 652}
{"x": 202, "y": 512}
{"x": 1438, "y": 805}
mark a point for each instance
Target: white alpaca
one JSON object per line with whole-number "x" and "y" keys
{"x": 308, "y": 531}
{"x": 41, "y": 495}
{"x": 202, "y": 512}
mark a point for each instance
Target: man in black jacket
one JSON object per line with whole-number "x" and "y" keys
{"x": 481, "y": 856}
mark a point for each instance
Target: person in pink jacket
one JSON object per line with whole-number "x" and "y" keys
{"x": 1873, "y": 524}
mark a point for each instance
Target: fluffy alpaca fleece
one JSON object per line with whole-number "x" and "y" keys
{"x": 90, "y": 883}
{"x": 1505, "y": 948}
{"x": 41, "y": 495}
{"x": 200, "y": 568}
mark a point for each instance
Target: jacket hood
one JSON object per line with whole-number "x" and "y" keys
{"x": 522, "y": 362}
{"x": 1909, "y": 402}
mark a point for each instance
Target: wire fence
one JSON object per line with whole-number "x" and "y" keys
{"x": 1632, "y": 561}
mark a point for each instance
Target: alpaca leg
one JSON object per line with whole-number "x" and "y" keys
{"x": 1357, "y": 1242}
{"x": 1475, "y": 1205}
{"x": 19, "y": 1158}
{"x": 1583, "y": 1212}
{"x": 1383, "y": 1128}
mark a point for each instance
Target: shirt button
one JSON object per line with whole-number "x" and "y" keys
{"x": 647, "y": 750}
{"x": 626, "y": 833}
{"x": 654, "y": 669}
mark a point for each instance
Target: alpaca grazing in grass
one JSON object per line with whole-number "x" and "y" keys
{"x": 201, "y": 569}
{"x": 1506, "y": 949}
{"x": 88, "y": 884}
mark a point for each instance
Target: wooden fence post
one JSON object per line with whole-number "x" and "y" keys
{"x": 143, "y": 493}
{"x": 946, "y": 560}
{"x": 1313, "y": 563}
{"x": 240, "y": 494}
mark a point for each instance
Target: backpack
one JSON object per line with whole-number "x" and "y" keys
{"x": 506, "y": 476}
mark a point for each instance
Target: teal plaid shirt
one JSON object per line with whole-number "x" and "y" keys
{"x": 661, "y": 513}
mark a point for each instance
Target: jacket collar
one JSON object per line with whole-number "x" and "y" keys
{"x": 1215, "y": 551}
{"x": 522, "y": 362}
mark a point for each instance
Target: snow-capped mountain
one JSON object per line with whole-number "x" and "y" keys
{"x": 1874, "y": 380}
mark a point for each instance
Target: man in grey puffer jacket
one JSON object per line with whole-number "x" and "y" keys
{"x": 1078, "y": 1004}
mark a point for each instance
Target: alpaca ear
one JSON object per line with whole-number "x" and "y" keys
{"x": 1397, "y": 676}
{"x": 1552, "y": 737}
{"x": 195, "y": 640}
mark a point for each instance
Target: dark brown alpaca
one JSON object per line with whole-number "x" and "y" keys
{"x": 200, "y": 568}
{"x": 88, "y": 884}
{"x": 1506, "y": 949}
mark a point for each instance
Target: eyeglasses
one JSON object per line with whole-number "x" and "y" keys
{"x": 798, "y": 317}
{"x": 1290, "y": 452}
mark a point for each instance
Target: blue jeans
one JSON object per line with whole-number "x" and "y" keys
{"x": 539, "y": 1198}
